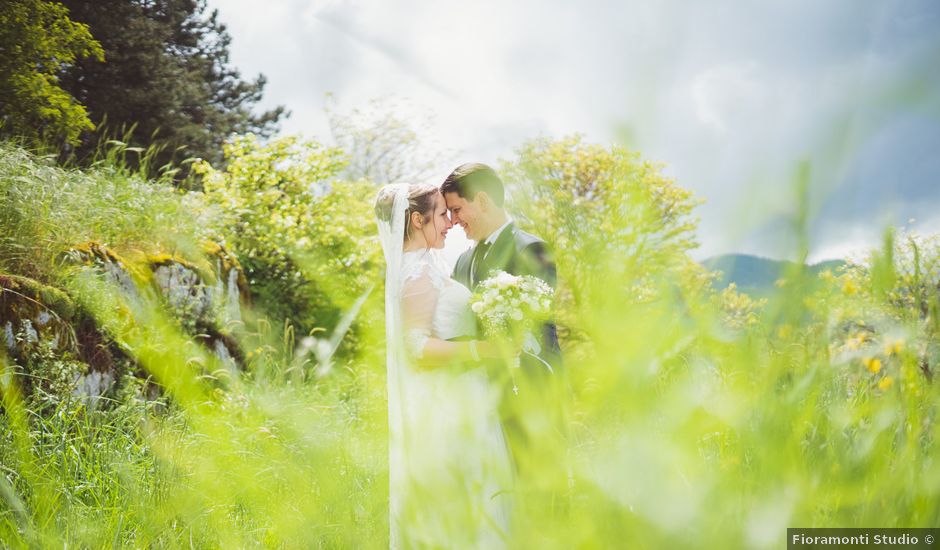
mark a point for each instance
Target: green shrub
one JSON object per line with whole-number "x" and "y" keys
{"x": 307, "y": 242}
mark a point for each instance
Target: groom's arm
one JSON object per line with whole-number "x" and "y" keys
{"x": 536, "y": 259}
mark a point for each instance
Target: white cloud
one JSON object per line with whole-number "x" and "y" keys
{"x": 726, "y": 92}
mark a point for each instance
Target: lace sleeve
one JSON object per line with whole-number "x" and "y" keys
{"x": 419, "y": 299}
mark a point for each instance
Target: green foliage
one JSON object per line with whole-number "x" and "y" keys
{"x": 891, "y": 302}
{"x": 253, "y": 465}
{"x": 740, "y": 310}
{"x": 618, "y": 209}
{"x": 37, "y": 42}
{"x": 166, "y": 79}
{"x": 307, "y": 244}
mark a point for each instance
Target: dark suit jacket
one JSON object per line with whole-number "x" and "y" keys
{"x": 517, "y": 253}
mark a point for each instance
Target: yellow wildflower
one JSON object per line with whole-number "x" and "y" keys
{"x": 885, "y": 382}
{"x": 872, "y": 363}
{"x": 893, "y": 348}
{"x": 849, "y": 287}
{"x": 855, "y": 342}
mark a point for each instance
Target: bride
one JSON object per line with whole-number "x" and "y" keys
{"x": 449, "y": 469}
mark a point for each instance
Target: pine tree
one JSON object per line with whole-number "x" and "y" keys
{"x": 166, "y": 79}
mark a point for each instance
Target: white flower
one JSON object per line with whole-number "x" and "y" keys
{"x": 507, "y": 300}
{"x": 504, "y": 279}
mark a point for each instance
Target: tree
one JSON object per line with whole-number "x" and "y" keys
{"x": 37, "y": 41}
{"x": 616, "y": 223}
{"x": 387, "y": 141}
{"x": 166, "y": 79}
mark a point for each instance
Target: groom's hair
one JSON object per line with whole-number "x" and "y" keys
{"x": 474, "y": 177}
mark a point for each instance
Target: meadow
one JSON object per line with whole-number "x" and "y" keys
{"x": 696, "y": 417}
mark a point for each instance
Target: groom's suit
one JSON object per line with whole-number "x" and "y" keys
{"x": 531, "y": 409}
{"x": 517, "y": 253}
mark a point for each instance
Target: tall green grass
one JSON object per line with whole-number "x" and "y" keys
{"x": 683, "y": 430}
{"x": 45, "y": 210}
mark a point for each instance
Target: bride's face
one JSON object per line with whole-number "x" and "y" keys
{"x": 435, "y": 230}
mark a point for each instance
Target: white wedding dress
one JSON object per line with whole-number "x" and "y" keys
{"x": 450, "y": 470}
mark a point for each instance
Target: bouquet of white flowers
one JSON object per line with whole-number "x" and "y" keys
{"x": 511, "y": 307}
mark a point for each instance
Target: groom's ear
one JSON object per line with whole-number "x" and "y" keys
{"x": 483, "y": 200}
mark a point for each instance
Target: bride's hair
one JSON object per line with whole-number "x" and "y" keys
{"x": 421, "y": 198}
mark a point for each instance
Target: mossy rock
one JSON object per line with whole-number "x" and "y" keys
{"x": 217, "y": 265}
{"x": 185, "y": 292}
{"x": 204, "y": 296}
{"x": 114, "y": 267}
{"x": 225, "y": 348}
{"x": 202, "y": 305}
{"x": 218, "y": 271}
{"x": 31, "y": 312}
{"x": 226, "y": 263}
{"x": 155, "y": 261}
{"x": 54, "y": 343}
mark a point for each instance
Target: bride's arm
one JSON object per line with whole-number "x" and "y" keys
{"x": 440, "y": 353}
{"x": 419, "y": 298}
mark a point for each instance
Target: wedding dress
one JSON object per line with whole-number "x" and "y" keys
{"x": 450, "y": 468}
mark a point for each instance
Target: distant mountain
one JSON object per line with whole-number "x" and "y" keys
{"x": 755, "y": 275}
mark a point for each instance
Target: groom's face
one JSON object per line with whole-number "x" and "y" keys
{"x": 466, "y": 214}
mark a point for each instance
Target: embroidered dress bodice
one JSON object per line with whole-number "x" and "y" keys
{"x": 434, "y": 304}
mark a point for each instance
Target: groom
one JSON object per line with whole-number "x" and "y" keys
{"x": 475, "y": 197}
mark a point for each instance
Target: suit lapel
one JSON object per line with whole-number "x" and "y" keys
{"x": 499, "y": 256}
{"x": 462, "y": 269}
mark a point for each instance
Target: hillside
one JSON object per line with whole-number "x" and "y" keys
{"x": 756, "y": 275}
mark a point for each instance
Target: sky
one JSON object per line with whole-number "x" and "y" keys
{"x": 734, "y": 98}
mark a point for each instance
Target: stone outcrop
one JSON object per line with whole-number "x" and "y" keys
{"x": 41, "y": 325}
{"x": 30, "y": 312}
{"x": 207, "y": 304}
{"x": 44, "y": 329}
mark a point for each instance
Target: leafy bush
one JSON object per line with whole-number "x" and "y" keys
{"x": 307, "y": 242}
